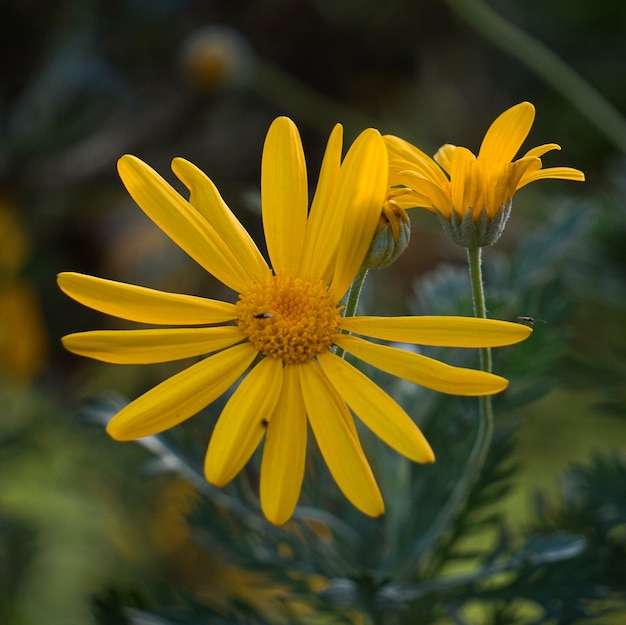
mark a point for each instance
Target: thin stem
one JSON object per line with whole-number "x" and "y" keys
{"x": 355, "y": 292}
{"x": 474, "y": 259}
{"x": 485, "y": 423}
{"x": 484, "y": 433}
{"x": 353, "y": 299}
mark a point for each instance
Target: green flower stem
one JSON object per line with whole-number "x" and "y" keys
{"x": 485, "y": 423}
{"x": 484, "y": 434}
{"x": 353, "y": 299}
{"x": 474, "y": 259}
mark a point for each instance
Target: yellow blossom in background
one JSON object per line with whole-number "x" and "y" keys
{"x": 281, "y": 333}
{"x": 215, "y": 57}
{"x": 23, "y": 339}
{"x": 177, "y": 499}
{"x": 472, "y": 195}
{"x": 14, "y": 242}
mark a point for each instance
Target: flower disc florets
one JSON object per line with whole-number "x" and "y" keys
{"x": 288, "y": 318}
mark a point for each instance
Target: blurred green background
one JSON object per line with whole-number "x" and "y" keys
{"x": 83, "y": 82}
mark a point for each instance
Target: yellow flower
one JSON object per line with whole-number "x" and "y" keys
{"x": 215, "y": 57}
{"x": 23, "y": 340}
{"x": 280, "y": 335}
{"x": 472, "y": 195}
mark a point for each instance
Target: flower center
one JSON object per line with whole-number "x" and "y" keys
{"x": 288, "y": 318}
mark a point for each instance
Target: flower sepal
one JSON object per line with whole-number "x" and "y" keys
{"x": 475, "y": 231}
{"x": 387, "y": 245}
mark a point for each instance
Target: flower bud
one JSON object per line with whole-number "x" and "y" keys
{"x": 392, "y": 234}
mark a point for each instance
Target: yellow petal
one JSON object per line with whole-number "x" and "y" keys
{"x": 397, "y": 177}
{"x": 504, "y": 181}
{"x": 324, "y": 223}
{"x": 467, "y": 182}
{"x": 506, "y": 135}
{"x": 540, "y": 150}
{"x": 181, "y": 396}
{"x": 181, "y": 222}
{"x": 206, "y": 199}
{"x": 427, "y": 194}
{"x": 439, "y": 331}
{"x": 559, "y": 173}
{"x": 501, "y": 186}
{"x": 376, "y": 409}
{"x": 284, "y": 194}
{"x": 150, "y": 346}
{"x": 410, "y": 200}
{"x": 137, "y": 303}
{"x": 401, "y": 151}
{"x": 361, "y": 192}
{"x": 423, "y": 370}
{"x": 241, "y": 425}
{"x": 284, "y": 452}
{"x": 443, "y": 156}
{"x": 342, "y": 452}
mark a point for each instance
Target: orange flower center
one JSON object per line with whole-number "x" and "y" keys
{"x": 288, "y": 318}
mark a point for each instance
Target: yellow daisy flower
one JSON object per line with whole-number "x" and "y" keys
{"x": 472, "y": 195}
{"x": 280, "y": 334}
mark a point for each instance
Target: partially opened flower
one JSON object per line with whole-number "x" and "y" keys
{"x": 280, "y": 333}
{"x": 472, "y": 195}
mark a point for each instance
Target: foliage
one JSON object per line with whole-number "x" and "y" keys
{"x": 416, "y": 564}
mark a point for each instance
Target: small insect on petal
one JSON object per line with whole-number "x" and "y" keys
{"x": 529, "y": 321}
{"x": 263, "y": 316}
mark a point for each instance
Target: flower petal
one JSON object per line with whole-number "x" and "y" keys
{"x": 559, "y": 173}
{"x": 206, "y": 199}
{"x": 361, "y": 192}
{"x": 284, "y": 452}
{"x": 338, "y": 443}
{"x": 439, "y": 331}
{"x": 181, "y": 396}
{"x": 138, "y": 303}
{"x": 427, "y": 194}
{"x": 181, "y": 222}
{"x": 284, "y": 194}
{"x": 506, "y": 135}
{"x": 241, "y": 425}
{"x": 376, "y": 409}
{"x": 126, "y": 347}
{"x": 324, "y": 223}
{"x": 422, "y": 370}
{"x": 403, "y": 155}
{"x": 540, "y": 150}
{"x": 467, "y": 182}
{"x": 443, "y": 156}
{"x": 504, "y": 181}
